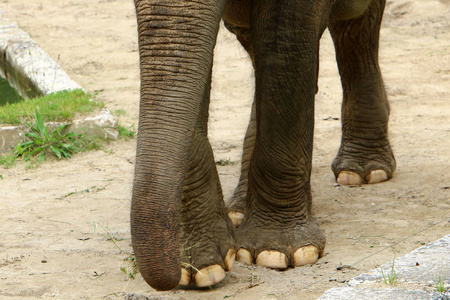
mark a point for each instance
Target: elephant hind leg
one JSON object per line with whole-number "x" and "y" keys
{"x": 365, "y": 155}
{"x": 237, "y": 203}
{"x": 237, "y": 20}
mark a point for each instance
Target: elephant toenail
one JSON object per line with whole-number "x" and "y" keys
{"x": 272, "y": 259}
{"x": 376, "y": 176}
{"x": 209, "y": 276}
{"x": 306, "y": 256}
{"x": 244, "y": 256}
{"x": 185, "y": 277}
{"x": 229, "y": 259}
{"x": 349, "y": 178}
{"x": 236, "y": 217}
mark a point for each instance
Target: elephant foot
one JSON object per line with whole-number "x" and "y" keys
{"x": 208, "y": 250}
{"x": 207, "y": 259}
{"x": 356, "y": 165}
{"x": 208, "y": 241}
{"x": 236, "y": 205}
{"x": 209, "y": 275}
{"x": 207, "y": 238}
{"x": 280, "y": 246}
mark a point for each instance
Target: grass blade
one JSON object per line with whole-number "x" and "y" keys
{"x": 56, "y": 151}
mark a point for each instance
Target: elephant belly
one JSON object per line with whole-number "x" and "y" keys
{"x": 348, "y": 9}
{"x": 237, "y": 13}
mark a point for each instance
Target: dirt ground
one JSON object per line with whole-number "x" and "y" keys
{"x": 50, "y": 246}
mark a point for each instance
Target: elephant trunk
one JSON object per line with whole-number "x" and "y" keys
{"x": 176, "y": 44}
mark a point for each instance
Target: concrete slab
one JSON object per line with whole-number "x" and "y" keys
{"x": 26, "y": 66}
{"x": 417, "y": 274}
{"x": 380, "y": 294}
{"x": 32, "y": 72}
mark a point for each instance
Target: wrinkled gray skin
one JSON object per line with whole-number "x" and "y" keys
{"x": 178, "y": 213}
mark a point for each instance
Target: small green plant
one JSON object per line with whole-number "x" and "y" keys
{"x": 131, "y": 270}
{"x": 42, "y": 141}
{"x": 391, "y": 277}
{"x": 7, "y": 160}
{"x": 225, "y": 162}
{"x": 440, "y": 284}
{"x": 126, "y": 133}
{"x": 120, "y": 112}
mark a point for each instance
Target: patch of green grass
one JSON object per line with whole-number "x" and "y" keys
{"x": 7, "y": 160}
{"x": 439, "y": 284}
{"x": 56, "y": 107}
{"x": 225, "y": 162}
{"x": 42, "y": 142}
{"x": 390, "y": 278}
{"x": 120, "y": 112}
{"x": 126, "y": 133}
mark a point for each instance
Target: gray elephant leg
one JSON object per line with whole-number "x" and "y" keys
{"x": 278, "y": 230}
{"x": 237, "y": 202}
{"x": 207, "y": 234}
{"x": 365, "y": 155}
{"x": 237, "y": 20}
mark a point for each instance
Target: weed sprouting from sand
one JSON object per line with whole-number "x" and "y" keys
{"x": 390, "y": 278}
{"x": 439, "y": 284}
{"x": 131, "y": 270}
{"x": 126, "y": 132}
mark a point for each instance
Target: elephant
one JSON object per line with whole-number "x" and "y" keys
{"x": 182, "y": 232}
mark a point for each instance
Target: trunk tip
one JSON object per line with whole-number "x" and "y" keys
{"x": 163, "y": 282}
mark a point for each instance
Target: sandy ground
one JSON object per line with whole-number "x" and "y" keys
{"x": 51, "y": 248}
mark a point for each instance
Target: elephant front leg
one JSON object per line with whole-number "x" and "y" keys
{"x": 207, "y": 234}
{"x": 365, "y": 155}
{"x": 207, "y": 237}
{"x": 278, "y": 230}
